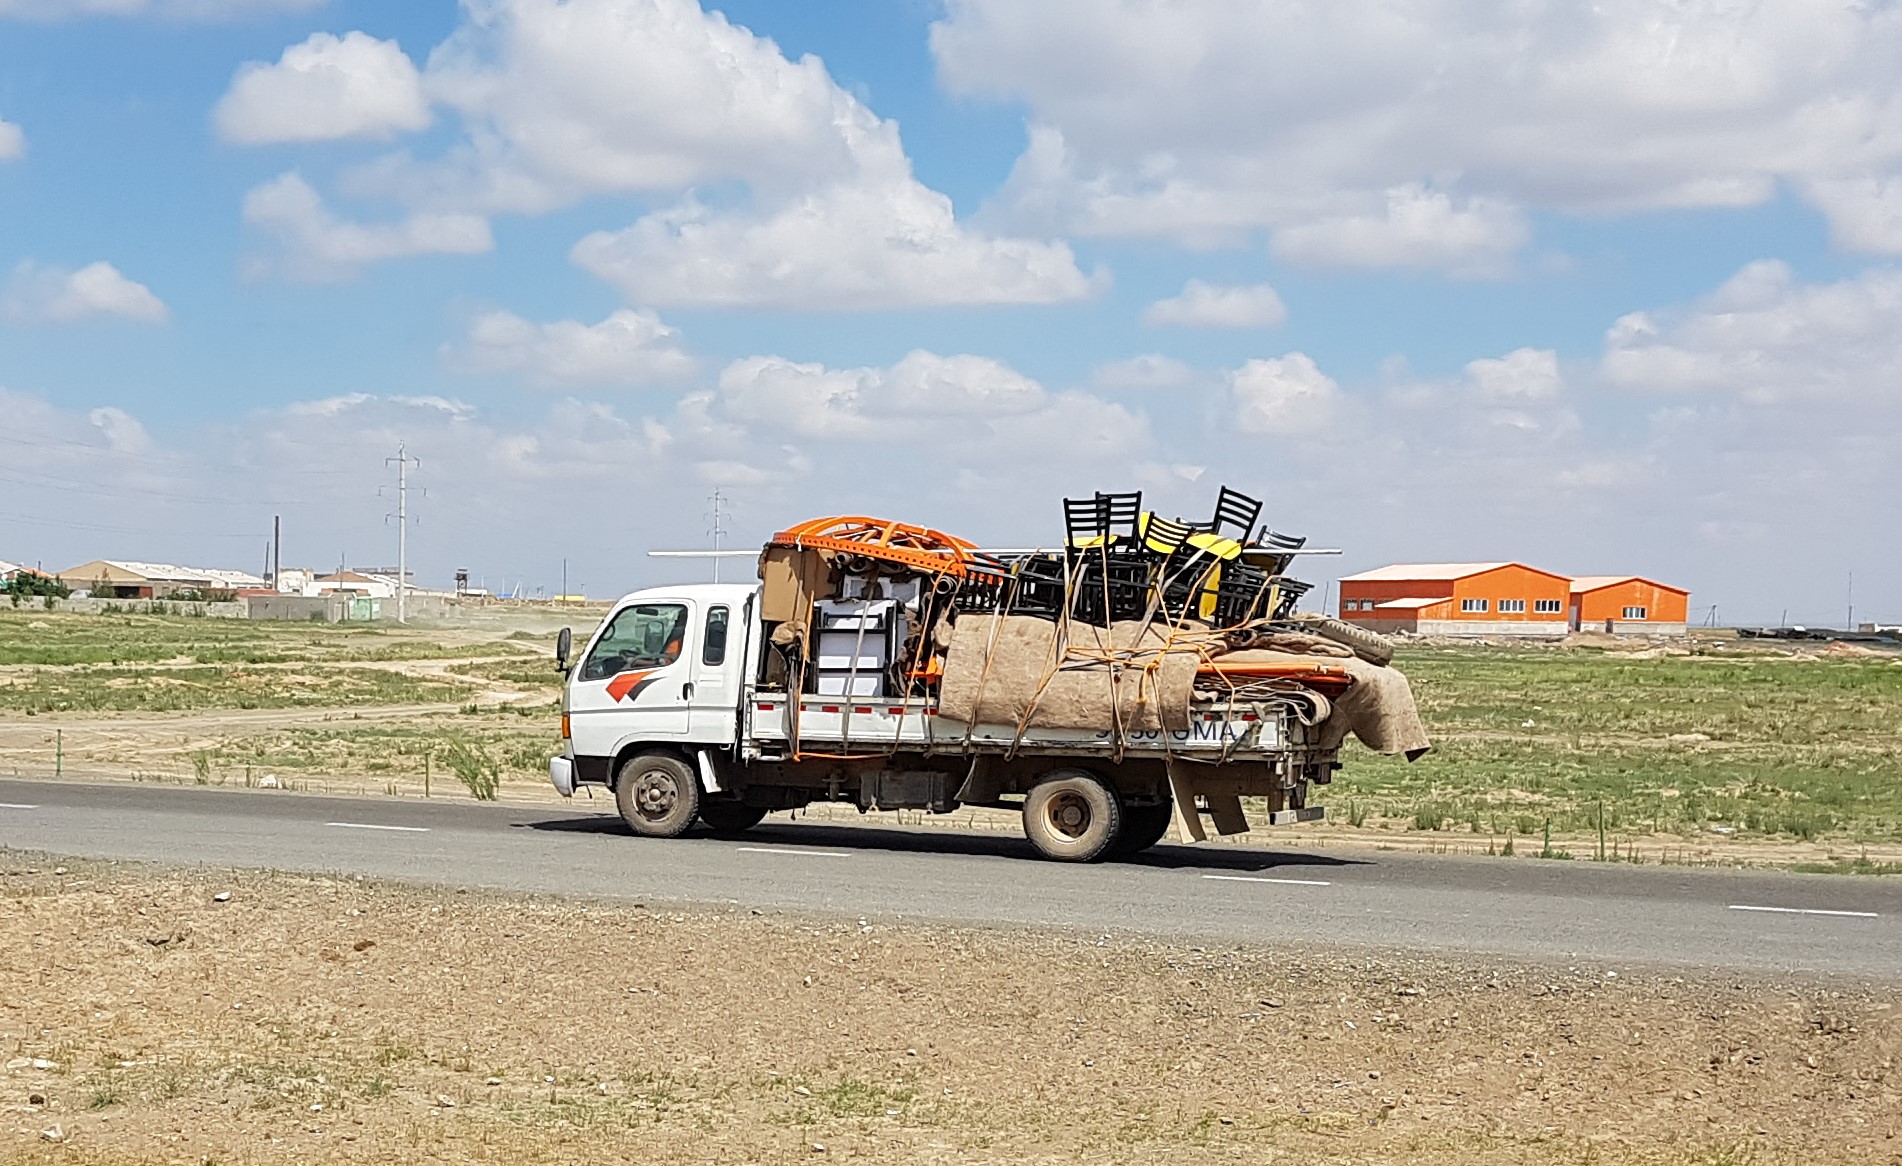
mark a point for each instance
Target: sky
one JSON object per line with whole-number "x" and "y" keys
{"x": 1610, "y": 289}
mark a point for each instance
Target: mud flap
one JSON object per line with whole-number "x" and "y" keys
{"x": 1182, "y": 790}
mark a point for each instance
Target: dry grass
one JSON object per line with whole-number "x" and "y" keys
{"x": 315, "y": 1019}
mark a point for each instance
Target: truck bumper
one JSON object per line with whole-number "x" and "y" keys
{"x": 561, "y": 774}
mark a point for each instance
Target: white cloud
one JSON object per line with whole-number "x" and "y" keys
{"x": 1205, "y": 305}
{"x": 1765, "y": 337}
{"x": 852, "y": 246}
{"x": 54, "y": 295}
{"x": 327, "y": 87}
{"x": 628, "y": 348}
{"x": 1524, "y": 374}
{"x": 52, "y": 10}
{"x": 786, "y": 189}
{"x": 921, "y": 393}
{"x": 800, "y": 398}
{"x": 313, "y": 244}
{"x": 12, "y": 140}
{"x": 1206, "y": 121}
{"x": 1151, "y": 370}
{"x": 1419, "y": 228}
{"x": 1288, "y": 396}
{"x": 1865, "y": 214}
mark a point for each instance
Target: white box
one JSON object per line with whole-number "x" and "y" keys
{"x": 861, "y": 685}
{"x": 844, "y": 662}
{"x": 874, "y": 615}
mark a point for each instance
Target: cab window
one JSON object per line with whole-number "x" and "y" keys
{"x": 714, "y": 651}
{"x": 647, "y": 635}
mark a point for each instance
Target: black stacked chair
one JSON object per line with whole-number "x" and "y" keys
{"x": 1288, "y": 592}
{"x": 1240, "y": 595}
{"x": 1279, "y": 542}
{"x": 1234, "y": 510}
{"x": 1108, "y": 573}
{"x": 1036, "y": 585}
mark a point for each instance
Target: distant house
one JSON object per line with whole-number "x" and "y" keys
{"x": 1458, "y": 599}
{"x": 1628, "y": 604}
{"x": 130, "y": 579}
{"x": 351, "y": 582}
{"x": 8, "y": 570}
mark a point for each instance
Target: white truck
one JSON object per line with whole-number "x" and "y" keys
{"x": 673, "y": 706}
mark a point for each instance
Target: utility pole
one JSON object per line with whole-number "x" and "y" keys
{"x": 403, "y": 463}
{"x": 1850, "y": 626}
{"x": 277, "y": 551}
{"x": 718, "y": 529}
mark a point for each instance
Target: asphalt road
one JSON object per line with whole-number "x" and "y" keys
{"x": 1592, "y": 914}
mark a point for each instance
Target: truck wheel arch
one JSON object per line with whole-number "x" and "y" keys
{"x": 635, "y": 749}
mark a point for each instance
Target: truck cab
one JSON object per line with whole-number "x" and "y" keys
{"x": 667, "y": 667}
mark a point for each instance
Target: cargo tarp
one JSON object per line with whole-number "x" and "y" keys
{"x": 1029, "y": 672}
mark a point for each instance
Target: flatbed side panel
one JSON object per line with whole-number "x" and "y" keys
{"x": 875, "y": 726}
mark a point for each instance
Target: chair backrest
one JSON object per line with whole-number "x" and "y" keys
{"x": 1085, "y": 520}
{"x": 1121, "y": 513}
{"x": 1234, "y": 509}
{"x": 1161, "y": 536}
{"x": 1280, "y": 542}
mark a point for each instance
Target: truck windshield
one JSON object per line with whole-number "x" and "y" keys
{"x": 648, "y": 635}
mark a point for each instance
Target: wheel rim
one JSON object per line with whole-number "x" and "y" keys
{"x": 1068, "y": 815}
{"x": 655, "y": 796}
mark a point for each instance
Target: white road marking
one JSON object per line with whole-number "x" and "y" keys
{"x": 16, "y": 806}
{"x": 373, "y": 826}
{"x": 1805, "y": 911}
{"x": 1284, "y": 882}
{"x": 799, "y": 853}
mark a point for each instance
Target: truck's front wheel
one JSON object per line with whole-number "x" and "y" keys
{"x": 658, "y": 796}
{"x": 1072, "y": 816}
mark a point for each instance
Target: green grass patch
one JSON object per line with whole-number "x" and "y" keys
{"x": 122, "y": 689}
{"x": 1768, "y": 746}
{"x": 31, "y": 636}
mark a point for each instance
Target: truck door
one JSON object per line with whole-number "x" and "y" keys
{"x": 713, "y": 702}
{"x": 637, "y": 679}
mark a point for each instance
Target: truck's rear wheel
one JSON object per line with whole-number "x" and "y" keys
{"x": 658, "y": 796}
{"x": 728, "y": 817}
{"x": 1143, "y": 827}
{"x": 1072, "y": 816}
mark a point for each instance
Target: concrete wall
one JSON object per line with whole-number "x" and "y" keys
{"x": 139, "y": 606}
{"x": 322, "y": 608}
{"x": 1648, "y": 627}
{"x": 1556, "y": 628}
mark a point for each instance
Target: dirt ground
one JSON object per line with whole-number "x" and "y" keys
{"x": 164, "y": 1016}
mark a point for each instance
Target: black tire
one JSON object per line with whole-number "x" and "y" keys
{"x": 658, "y": 795}
{"x": 1073, "y": 816}
{"x": 1369, "y": 646}
{"x": 728, "y": 818}
{"x": 1143, "y": 827}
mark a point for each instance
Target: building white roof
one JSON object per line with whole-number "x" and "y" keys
{"x": 7, "y": 568}
{"x": 1408, "y": 572}
{"x": 167, "y": 572}
{"x": 1411, "y": 604}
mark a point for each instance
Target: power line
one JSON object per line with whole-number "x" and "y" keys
{"x": 403, "y": 463}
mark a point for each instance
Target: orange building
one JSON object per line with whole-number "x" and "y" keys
{"x": 1629, "y": 604}
{"x": 1458, "y": 599}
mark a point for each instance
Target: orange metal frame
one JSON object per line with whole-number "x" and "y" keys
{"x": 878, "y": 538}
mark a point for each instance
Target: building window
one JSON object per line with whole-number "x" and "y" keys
{"x": 1547, "y": 606}
{"x": 1515, "y": 606}
{"x": 1634, "y": 613}
{"x": 1473, "y": 605}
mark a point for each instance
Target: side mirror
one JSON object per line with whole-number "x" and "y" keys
{"x": 564, "y": 644}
